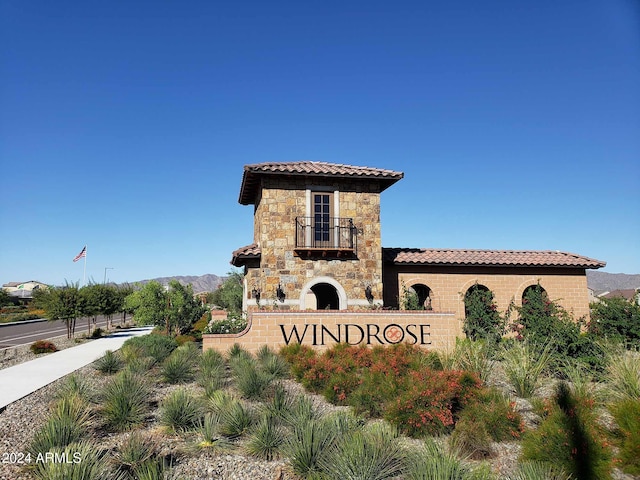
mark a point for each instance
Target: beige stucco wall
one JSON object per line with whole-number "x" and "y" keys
{"x": 428, "y": 330}
{"x": 568, "y": 287}
{"x": 284, "y": 199}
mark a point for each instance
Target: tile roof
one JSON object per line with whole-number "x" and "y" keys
{"x": 248, "y": 252}
{"x": 489, "y": 258}
{"x": 252, "y": 173}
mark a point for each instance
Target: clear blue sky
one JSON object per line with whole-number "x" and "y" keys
{"x": 125, "y": 125}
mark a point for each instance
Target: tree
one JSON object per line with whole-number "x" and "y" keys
{"x": 229, "y": 294}
{"x": 5, "y": 298}
{"x": 61, "y": 303}
{"x": 175, "y": 308}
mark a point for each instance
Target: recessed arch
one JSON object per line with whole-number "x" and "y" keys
{"x": 424, "y": 293}
{"x": 318, "y": 286}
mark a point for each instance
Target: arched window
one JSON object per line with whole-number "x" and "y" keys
{"x": 418, "y": 297}
{"x": 326, "y": 296}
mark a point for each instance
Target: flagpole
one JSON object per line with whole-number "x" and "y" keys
{"x": 84, "y": 275}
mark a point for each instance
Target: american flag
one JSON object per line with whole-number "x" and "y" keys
{"x": 83, "y": 253}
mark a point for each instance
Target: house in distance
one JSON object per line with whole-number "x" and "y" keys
{"x": 316, "y": 271}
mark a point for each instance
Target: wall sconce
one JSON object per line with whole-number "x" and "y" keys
{"x": 280, "y": 293}
{"x": 256, "y": 294}
{"x": 368, "y": 293}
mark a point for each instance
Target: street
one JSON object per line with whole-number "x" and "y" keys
{"x": 12, "y": 335}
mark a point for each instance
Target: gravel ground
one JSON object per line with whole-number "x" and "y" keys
{"x": 16, "y": 355}
{"x": 21, "y": 419}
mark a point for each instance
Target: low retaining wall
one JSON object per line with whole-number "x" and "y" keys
{"x": 322, "y": 329}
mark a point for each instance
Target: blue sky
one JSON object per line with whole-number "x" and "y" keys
{"x": 125, "y": 125}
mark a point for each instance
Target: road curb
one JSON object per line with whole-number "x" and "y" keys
{"x": 37, "y": 320}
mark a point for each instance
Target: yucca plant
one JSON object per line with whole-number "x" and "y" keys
{"x": 238, "y": 351}
{"x": 124, "y": 401}
{"x": 266, "y": 439}
{"x": 432, "y": 461}
{"x": 152, "y": 469}
{"x": 301, "y": 411}
{"x": 217, "y": 401}
{"x": 211, "y": 439}
{"x": 250, "y": 380}
{"x": 534, "y": 470}
{"x": 80, "y": 461}
{"x": 109, "y": 363}
{"x": 75, "y": 385}
{"x": 524, "y": 366}
{"x": 366, "y": 454}
{"x": 235, "y": 419}
{"x": 57, "y": 432}
{"x": 181, "y": 411}
{"x": 307, "y": 443}
{"x": 474, "y": 356}
{"x": 211, "y": 371}
{"x": 179, "y": 367}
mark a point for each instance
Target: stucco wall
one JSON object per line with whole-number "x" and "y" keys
{"x": 317, "y": 329}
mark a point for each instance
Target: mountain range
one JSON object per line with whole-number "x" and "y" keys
{"x": 598, "y": 281}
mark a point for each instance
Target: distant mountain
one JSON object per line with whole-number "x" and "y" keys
{"x": 608, "y": 282}
{"x": 203, "y": 283}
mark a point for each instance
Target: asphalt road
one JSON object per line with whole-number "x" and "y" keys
{"x": 12, "y": 335}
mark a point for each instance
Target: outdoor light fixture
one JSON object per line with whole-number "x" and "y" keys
{"x": 280, "y": 293}
{"x": 368, "y": 293}
{"x": 256, "y": 294}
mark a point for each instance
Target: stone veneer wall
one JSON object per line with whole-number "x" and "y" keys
{"x": 428, "y": 330}
{"x": 282, "y": 199}
{"x": 448, "y": 285}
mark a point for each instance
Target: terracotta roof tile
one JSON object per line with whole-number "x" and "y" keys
{"x": 520, "y": 258}
{"x": 310, "y": 169}
{"x": 248, "y": 252}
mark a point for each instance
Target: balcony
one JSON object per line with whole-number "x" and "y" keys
{"x": 322, "y": 236}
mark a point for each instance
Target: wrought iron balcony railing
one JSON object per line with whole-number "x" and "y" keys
{"x": 325, "y": 233}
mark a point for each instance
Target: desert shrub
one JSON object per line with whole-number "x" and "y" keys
{"x": 182, "y": 339}
{"x": 238, "y": 351}
{"x": 250, "y": 380}
{"x": 266, "y": 439}
{"x": 124, "y": 401}
{"x": 43, "y": 346}
{"x": 75, "y": 385}
{"x": 68, "y": 423}
{"x": 432, "y": 461}
{"x": 179, "y": 367}
{"x": 373, "y": 453}
{"x": 299, "y": 357}
{"x": 97, "y": 333}
{"x": 488, "y": 417}
{"x": 153, "y": 345}
{"x": 235, "y": 420}
{"x": 109, "y": 363}
{"x": 537, "y": 470}
{"x": 482, "y": 320}
{"x": 210, "y": 437}
{"x": 623, "y": 375}
{"x": 627, "y": 434}
{"x": 271, "y": 363}
{"x": 569, "y": 437}
{"x": 306, "y": 445}
{"x": 474, "y": 356}
{"x": 135, "y": 451}
{"x": 181, "y": 411}
{"x": 429, "y": 401}
{"x": 524, "y": 365}
{"x": 83, "y": 461}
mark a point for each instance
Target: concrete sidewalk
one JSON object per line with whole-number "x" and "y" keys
{"x": 21, "y": 380}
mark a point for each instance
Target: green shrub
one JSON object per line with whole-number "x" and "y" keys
{"x": 43, "y": 346}
{"x": 67, "y": 424}
{"x": 75, "y": 385}
{"x": 623, "y": 379}
{"x": 627, "y": 415}
{"x": 109, "y": 363}
{"x": 208, "y": 430}
{"x": 250, "y": 380}
{"x": 182, "y": 339}
{"x": 433, "y": 462}
{"x": 306, "y": 445}
{"x": 212, "y": 371}
{"x": 616, "y": 318}
{"x": 235, "y": 420}
{"x": 569, "y": 438}
{"x": 153, "y": 345}
{"x": 124, "y": 401}
{"x": 181, "y": 411}
{"x": 474, "y": 356}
